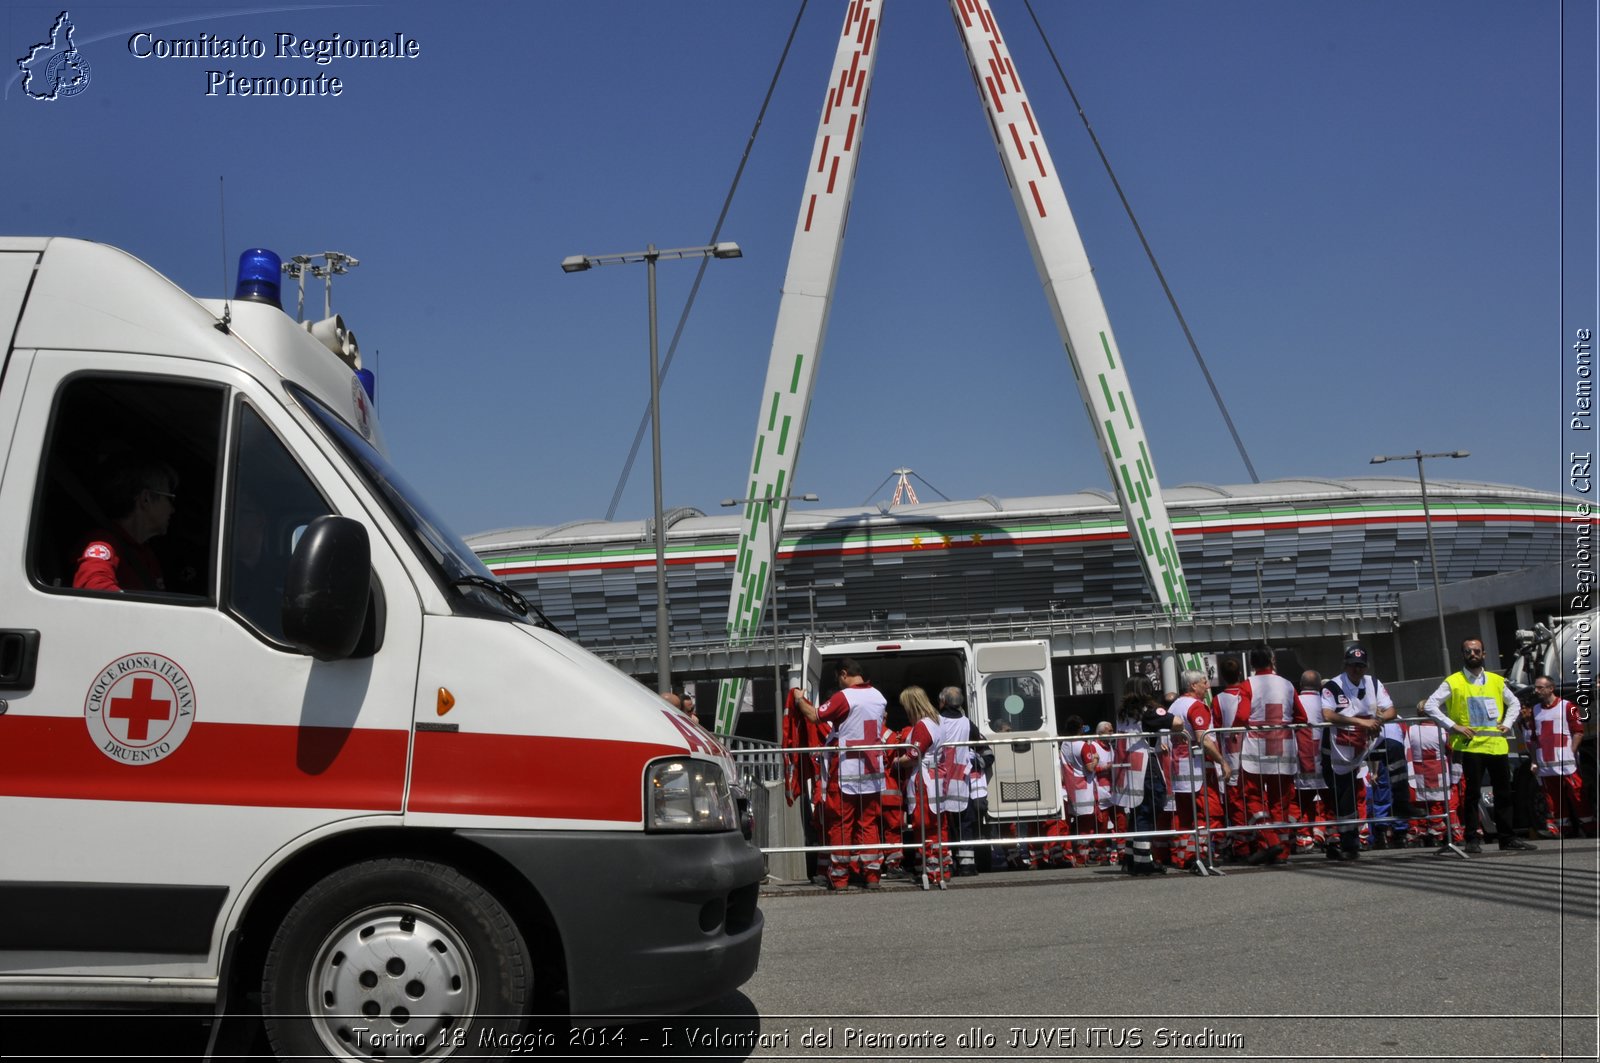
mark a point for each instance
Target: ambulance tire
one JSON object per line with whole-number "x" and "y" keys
{"x": 381, "y": 939}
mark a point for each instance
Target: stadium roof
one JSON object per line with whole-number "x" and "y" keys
{"x": 685, "y": 520}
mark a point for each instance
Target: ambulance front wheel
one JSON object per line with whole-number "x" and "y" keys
{"x": 395, "y": 958}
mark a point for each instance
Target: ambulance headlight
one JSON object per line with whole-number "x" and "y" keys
{"x": 690, "y": 795}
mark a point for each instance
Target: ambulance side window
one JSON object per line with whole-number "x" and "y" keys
{"x": 269, "y": 504}
{"x": 1014, "y": 703}
{"x": 127, "y": 493}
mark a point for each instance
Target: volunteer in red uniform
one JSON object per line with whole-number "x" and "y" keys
{"x": 141, "y": 494}
{"x": 1557, "y": 730}
{"x": 1080, "y": 799}
{"x": 1197, "y": 801}
{"x": 1356, "y": 704}
{"x": 1435, "y": 782}
{"x": 1225, "y": 714}
{"x": 1100, "y": 851}
{"x": 942, "y": 786}
{"x": 1309, "y": 789}
{"x": 1269, "y": 758}
{"x": 892, "y": 821}
{"x": 855, "y": 790}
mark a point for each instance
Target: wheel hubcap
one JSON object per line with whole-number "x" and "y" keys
{"x": 393, "y": 982}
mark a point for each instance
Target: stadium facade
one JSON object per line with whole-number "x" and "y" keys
{"x": 1294, "y": 543}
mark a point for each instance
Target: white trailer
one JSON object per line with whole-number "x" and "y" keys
{"x": 1009, "y": 696}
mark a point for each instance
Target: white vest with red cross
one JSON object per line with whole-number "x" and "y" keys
{"x": 1347, "y": 746}
{"x": 1080, "y": 780}
{"x": 1188, "y": 756}
{"x": 1428, "y": 761}
{"x": 1552, "y": 738}
{"x": 857, "y": 714}
{"x": 1269, "y": 750}
{"x": 944, "y": 780}
{"x": 1308, "y": 741}
{"x": 1227, "y": 715}
{"x": 1132, "y": 761}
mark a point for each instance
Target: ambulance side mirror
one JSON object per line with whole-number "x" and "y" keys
{"x": 326, "y": 590}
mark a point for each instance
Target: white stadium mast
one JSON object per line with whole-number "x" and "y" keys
{"x": 1058, "y": 254}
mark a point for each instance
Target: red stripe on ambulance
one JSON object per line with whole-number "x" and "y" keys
{"x": 328, "y": 767}
{"x": 525, "y": 775}
{"x": 219, "y": 764}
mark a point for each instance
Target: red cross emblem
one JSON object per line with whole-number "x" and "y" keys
{"x": 140, "y": 710}
{"x": 1274, "y": 739}
{"x": 1134, "y": 762}
{"x": 1551, "y": 739}
{"x": 950, "y": 770}
{"x": 1431, "y": 769}
{"x": 871, "y": 735}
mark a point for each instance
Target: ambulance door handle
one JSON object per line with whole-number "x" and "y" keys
{"x": 19, "y": 656}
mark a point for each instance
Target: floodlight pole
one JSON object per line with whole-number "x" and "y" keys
{"x": 811, "y": 598}
{"x": 1427, "y": 522}
{"x": 1261, "y": 594}
{"x": 577, "y": 264}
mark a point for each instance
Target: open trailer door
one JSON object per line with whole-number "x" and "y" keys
{"x": 1014, "y": 706}
{"x": 810, "y": 678}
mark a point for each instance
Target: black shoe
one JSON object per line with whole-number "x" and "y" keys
{"x": 1333, "y": 852}
{"x": 1516, "y": 843}
{"x": 1267, "y": 855}
{"x": 1474, "y": 848}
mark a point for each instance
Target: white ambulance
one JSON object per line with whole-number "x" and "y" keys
{"x": 271, "y": 736}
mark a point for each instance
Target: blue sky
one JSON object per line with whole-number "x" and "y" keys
{"x": 1359, "y": 206}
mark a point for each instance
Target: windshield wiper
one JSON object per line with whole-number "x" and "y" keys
{"x": 506, "y": 594}
{"x": 502, "y": 591}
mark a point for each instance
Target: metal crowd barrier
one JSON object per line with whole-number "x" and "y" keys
{"x": 1066, "y": 838}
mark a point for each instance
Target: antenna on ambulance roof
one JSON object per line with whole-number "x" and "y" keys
{"x": 222, "y": 210}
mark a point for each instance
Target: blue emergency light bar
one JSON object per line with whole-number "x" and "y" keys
{"x": 259, "y": 270}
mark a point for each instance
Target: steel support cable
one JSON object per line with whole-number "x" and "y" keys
{"x": 694, "y": 289}
{"x": 875, "y": 490}
{"x": 932, "y": 488}
{"x": 1150, "y": 254}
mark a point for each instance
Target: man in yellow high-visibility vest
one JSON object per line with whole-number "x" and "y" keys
{"x": 1477, "y": 709}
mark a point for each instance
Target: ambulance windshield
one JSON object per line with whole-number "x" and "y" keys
{"x": 475, "y": 588}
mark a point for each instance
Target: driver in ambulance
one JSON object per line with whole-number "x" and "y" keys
{"x": 141, "y": 493}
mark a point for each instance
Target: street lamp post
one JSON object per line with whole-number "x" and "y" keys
{"x": 649, "y": 256}
{"x": 811, "y": 596}
{"x": 1261, "y": 593}
{"x": 1427, "y": 522}
{"x": 766, "y": 502}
